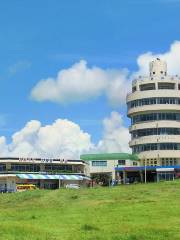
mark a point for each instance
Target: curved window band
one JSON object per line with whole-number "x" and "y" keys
{"x": 152, "y": 101}
{"x": 155, "y": 117}
{"x": 155, "y": 131}
{"x": 155, "y": 146}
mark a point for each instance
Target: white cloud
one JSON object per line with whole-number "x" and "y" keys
{"x": 172, "y": 57}
{"x": 64, "y": 139}
{"x": 80, "y": 83}
{"x": 115, "y": 136}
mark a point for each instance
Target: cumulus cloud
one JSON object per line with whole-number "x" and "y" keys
{"x": 172, "y": 57}
{"x": 80, "y": 83}
{"x": 115, "y": 136}
{"x": 64, "y": 139}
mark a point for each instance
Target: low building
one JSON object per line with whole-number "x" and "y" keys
{"x": 44, "y": 173}
{"x": 108, "y": 163}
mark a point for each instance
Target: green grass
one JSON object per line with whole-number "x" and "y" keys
{"x": 133, "y": 212}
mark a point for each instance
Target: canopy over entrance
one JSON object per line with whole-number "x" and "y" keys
{"x": 46, "y": 176}
{"x": 109, "y": 156}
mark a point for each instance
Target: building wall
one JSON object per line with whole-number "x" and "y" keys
{"x": 110, "y": 167}
{"x": 13, "y": 166}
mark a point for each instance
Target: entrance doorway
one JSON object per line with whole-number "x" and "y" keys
{"x": 165, "y": 176}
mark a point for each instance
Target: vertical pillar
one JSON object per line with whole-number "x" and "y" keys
{"x": 156, "y": 85}
{"x": 41, "y": 183}
{"x": 124, "y": 176}
{"x": 141, "y": 176}
{"x": 157, "y": 174}
{"x": 8, "y": 167}
{"x": 59, "y": 183}
{"x": 113, "y": 175}
{"x": 176, "y": 85}
{"x": 42, "y": 167}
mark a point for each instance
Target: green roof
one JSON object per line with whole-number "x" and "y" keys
{"x": 109, "y": 156}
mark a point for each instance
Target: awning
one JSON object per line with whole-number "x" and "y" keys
{"x": 46, "y": 176}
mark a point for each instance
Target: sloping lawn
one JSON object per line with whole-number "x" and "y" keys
{"x": 133, "y": 212}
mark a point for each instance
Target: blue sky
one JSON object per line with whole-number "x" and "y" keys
{"x": 40, "y": 38}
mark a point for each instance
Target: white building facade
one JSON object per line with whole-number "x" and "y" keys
{"x": 109, "y": 166}
{"x": 154, "y": 110}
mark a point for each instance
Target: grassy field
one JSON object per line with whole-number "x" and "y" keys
{"x": 134, "y": 212}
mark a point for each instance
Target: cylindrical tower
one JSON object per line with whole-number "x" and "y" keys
{"x": 154, "y": 109}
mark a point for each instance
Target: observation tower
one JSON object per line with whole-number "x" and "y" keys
{"x": 154, "y": 110}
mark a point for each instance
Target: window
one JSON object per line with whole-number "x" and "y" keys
{"x": 99, "y": 163}
{"x": 169, "y": 161}
{"x": 155, "y": 116}
{"x": 25, "y": 167}
{"x": 133, "y": 89}
{"x": 163, "y": 85}
{"x": 2, "y": 167}
{"x": 146, "y": 87}
{"x": 155, "y": 146}
{"x": 150, "y": 162}
{"x": 152, "y": 101}
{"x": 121, "y": 162}
{"x": 58, "y": 168}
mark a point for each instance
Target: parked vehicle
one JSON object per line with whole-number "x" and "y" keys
{"x": 73, "y": 185}
{"x": 24, "y": 187}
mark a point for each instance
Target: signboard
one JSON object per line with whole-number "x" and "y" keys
{"x": 27, "y": 160}
{"x": 42, "y": 160}
{"x": 164, "y": 169}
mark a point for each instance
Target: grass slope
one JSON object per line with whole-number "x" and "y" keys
{"x": 134, "y": 212}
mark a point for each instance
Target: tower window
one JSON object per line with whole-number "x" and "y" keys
{"x": 146, "y": 87}
{"x": 166, "y": 86}
{"x": 133, "y": 89}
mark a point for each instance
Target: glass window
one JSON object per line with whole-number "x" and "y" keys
{"x": 155, "y": 146}
{"x": 2, "y": 167}
{"x": 58, "y": 168}
{"x": 99, "y": 163}
{"x": 121, "y": 162}
{"x": 155, "y": 116}
{"x": 151, "y": 101}
{"x": 146, "y": 87}
{"x": 162, "y": 85}
{"x": 25, "y": 167}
